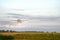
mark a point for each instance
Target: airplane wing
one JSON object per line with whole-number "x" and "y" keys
{"x": 18, "y": 20}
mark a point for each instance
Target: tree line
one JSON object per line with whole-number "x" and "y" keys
{"x": 7, "y": 31}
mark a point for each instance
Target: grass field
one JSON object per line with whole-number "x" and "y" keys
{"x": 29, "y": 36}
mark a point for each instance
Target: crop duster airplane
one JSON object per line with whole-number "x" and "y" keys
{"x": 17, "y": 20}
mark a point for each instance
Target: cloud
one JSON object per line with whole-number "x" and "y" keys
{"x": 18, "y": 9}
{"x": 41, "y": 18}
{"x": 6, "y": 22}
{"x": 34, "y": 23}
{"x": 40, "y": 28}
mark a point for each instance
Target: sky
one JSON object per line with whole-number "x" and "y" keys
{"x": 36, "y": 12}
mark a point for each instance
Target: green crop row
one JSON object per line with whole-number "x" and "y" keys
{"x": 42, "y": 36}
